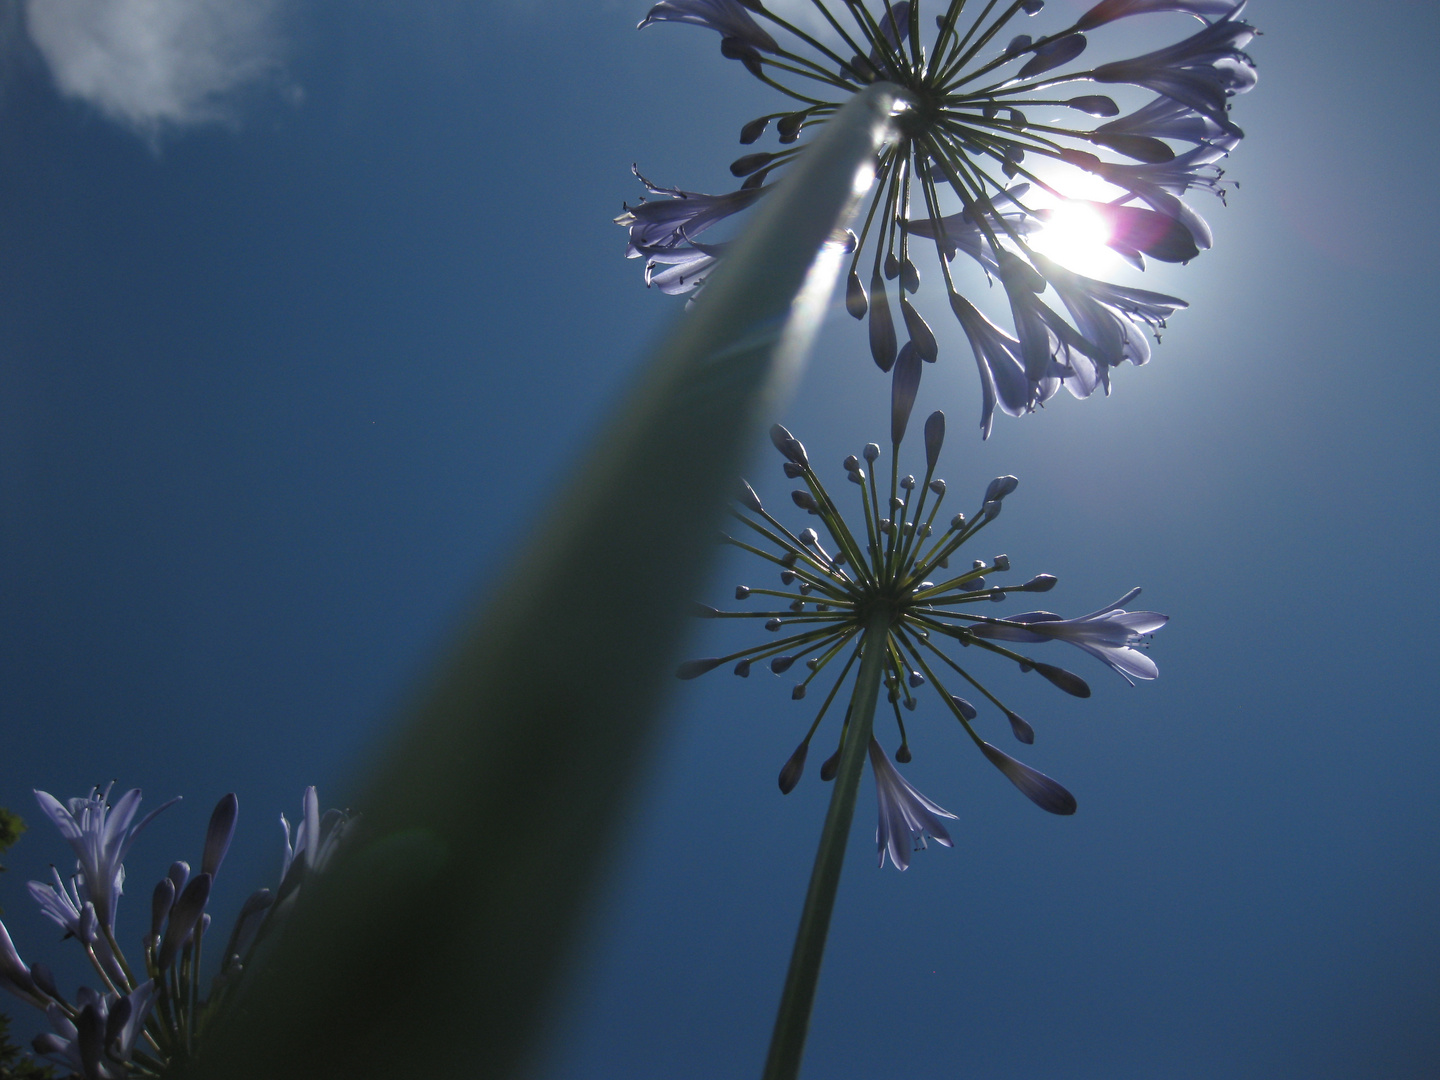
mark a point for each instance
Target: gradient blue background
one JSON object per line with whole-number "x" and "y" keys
{"x": 278, "y": 402}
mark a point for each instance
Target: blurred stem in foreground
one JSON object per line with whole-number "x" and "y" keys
{"x": 433, "y": 945}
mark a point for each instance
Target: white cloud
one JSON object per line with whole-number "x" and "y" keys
{"x": 156, "y": 64}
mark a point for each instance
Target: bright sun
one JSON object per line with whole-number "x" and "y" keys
{"x": 1074, "y": 236}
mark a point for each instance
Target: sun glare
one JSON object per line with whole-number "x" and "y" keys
{"x": 1074, "y": 235}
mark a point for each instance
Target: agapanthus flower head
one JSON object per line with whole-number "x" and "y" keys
{"x": 894, "y": 568}
{"x": 981, "y": 108}
{"x": 147, "y": 1017}
{"x": 100, "y": 835}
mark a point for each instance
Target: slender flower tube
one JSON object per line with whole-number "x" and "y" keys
{"x": 981, "y": 107}
{"x": 907, "y": 818}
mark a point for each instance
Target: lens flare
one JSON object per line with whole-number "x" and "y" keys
{"x": 1075, "y": 235}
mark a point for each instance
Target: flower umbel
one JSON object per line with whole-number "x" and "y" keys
{"x": 979, "y": 112}
{"x": 898, "y": 567}
{"x": 146, "y": 1022}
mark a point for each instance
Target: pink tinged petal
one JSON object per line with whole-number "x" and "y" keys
{"x": 1036, "y": 786}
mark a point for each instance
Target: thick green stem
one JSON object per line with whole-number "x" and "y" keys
{"x": 792, "y": 1021}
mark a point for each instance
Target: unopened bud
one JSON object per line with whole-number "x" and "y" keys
{"x": 1002, "y": 562}
{"x": 871, "y": 452}
{"x": 742, "y": 591}
{"x": 851, "y": 463}
{"x": 792, "y": 471}
{"x": 804, "y": 500}
{"x": 797, "y": 693}
{"x": 907, "y": 483}
{"x": 780, "y": 664}
{"x": 1039, "y": 583}
{"x": 787, "y": 576}
{"x": 749, "y": 498}
{"x": 790, "y": 774}
{"x": 773, "y": 624}
{"x": 1000, "y": 487}
{"x": 1021, "y": 730}
{"x": 957, "y": 523}
{"x": 916, "y": 679}
{"x": 964, "y": 707}
{"x": 937, "y": 486}
{"x": 704, "y": 611}
{"x": 809, "y": 536}
{"x": 743, "y": 669}
{"x": 997, "y": 594}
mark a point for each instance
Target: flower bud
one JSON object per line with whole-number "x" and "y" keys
{"x": 790, "y": 774}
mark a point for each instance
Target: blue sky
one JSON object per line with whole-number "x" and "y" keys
{"x": 300, "y": 328}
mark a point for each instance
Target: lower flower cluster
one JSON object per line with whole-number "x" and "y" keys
{"x": 148, "y": 1020}
{"x": 896, "y": 571}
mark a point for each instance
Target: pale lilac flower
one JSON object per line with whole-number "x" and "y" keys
{"x": 1110, "y": 10}
{"x": 1161, "y": 183}
{"x": 907, "y": 817}
{"x": 1002, "y": 375}
{"x": 67, "y": 907}
{"x": 1106, "y": 315}
{"x": 316, "y": 839}
{"x": 683, "y": 270}
{"x": 1202, "y": 71}
{"x": 1110, "y": 634}
{"x": 1166, "y": 118}
{"x": 101, "y": 837}
{"x": 728, "y": 18}
{"x": 679, "y": 217}
{"x": 972, "y": 116}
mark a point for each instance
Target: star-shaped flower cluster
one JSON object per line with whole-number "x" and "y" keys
{"x": 831, "y": 589}
{"x": 989, "y": 155}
